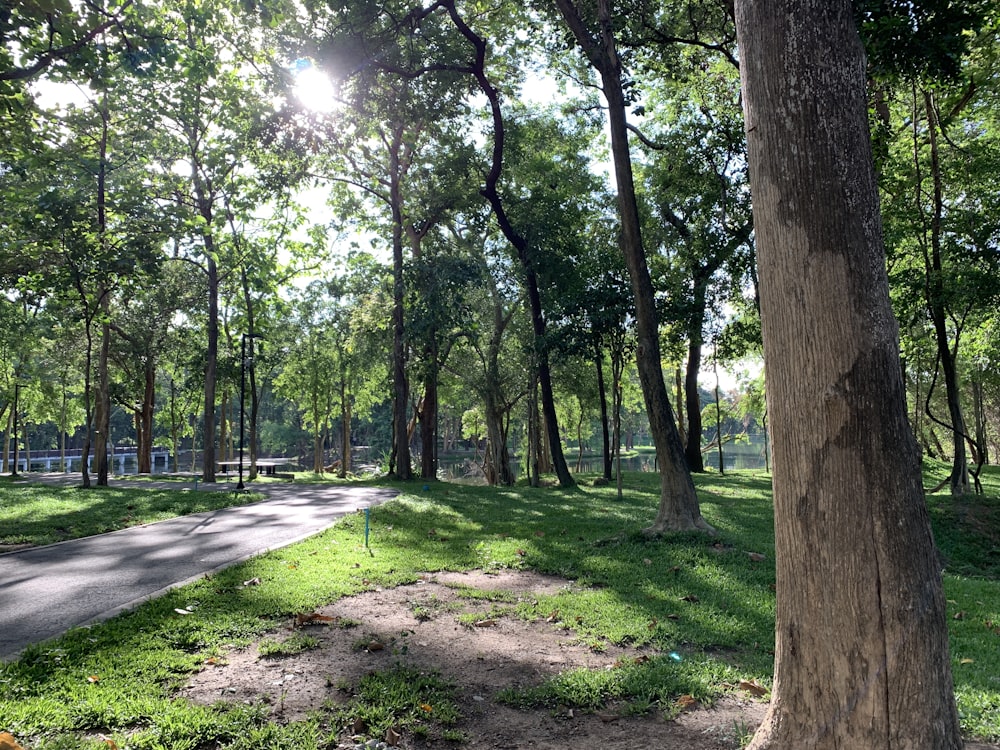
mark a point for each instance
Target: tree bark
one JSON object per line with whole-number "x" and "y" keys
{"x": 861, "y": 653}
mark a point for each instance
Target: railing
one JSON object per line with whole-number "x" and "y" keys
{"x": 48, "y": 460}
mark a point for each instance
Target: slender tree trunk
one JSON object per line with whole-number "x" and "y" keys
{"x": 679, "y": 509}
{"x": 102, "y": 402}
{"x": 520, "y": 244}
{"x": 345, "y": 433}
{"x": 692, "y": 450}
{"x": 211, "y": 362}
{"x": 679, "y": 398}
{"x": 144, "y": 419}
{"x": 401, "y": 391}
{"x": 861, "y": 652}
{"x": 959, "y": 478}
{"x": 534, "y": 436}
{"x": 429, "y": 413}
{"x": 605, "y": 429}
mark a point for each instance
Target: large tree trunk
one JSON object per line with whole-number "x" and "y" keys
{"x": 861, "y": 653}
{"x": 679, "y": 509}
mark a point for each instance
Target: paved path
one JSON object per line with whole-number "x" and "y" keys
{"x": 45, "y": 591}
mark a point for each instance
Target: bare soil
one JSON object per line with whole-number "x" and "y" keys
{"x": 418, "y": 626}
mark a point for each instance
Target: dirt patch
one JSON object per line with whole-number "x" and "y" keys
{"x": 418, "y": 626}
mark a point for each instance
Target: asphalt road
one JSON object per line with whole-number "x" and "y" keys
{"x": 45, "y": 591}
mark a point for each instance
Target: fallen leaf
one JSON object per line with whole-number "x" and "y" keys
{"x": 966, "y": 661}
{"x": 392, "y": 737}
{"x": 520, "y": 553}
{"x": 651, "y": 625}
{"x": 180, "y": 611}
{"x": 690, "y": 598}
{"x": 553, "y": 616}
{"x": 485, "y": 623}
{"x": 686, "y": 702}
{"x": 360, "y": 726}
{"x": 252, "y": 582}
{"x": 375, "y": 646}
{"x": 93, "y": 678}
{"x": 673, "y": 617}
{"x": 675, "y": 570}
{"x": 539, "y": 533}
{"x": 753, "y": 687}
{"x": 110, "y": 743}
{"x": 756, "y": 557}
{"x": 7, "y": 742}
{"x": 608, "y": 717}
{"x": 646, "y": 561}
{"x": 427, "y": 707}
{"x": 959, "y": 616}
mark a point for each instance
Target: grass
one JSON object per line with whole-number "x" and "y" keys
{"x": 702, "y": 603}
{"x": 32, "y": 513}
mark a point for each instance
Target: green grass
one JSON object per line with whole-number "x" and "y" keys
{"x": 32, "y": 513}
{"x": 700, "y": 607}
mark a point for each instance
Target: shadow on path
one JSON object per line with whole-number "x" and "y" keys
{"x": 45, "y": 591}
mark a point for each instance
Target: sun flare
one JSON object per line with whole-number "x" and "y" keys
{"x": 313, "y": 88}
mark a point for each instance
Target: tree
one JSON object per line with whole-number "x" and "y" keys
{"x": 208, "y": 109}
{"x": 861, "y": 654}
{"x": 679, "y": 508}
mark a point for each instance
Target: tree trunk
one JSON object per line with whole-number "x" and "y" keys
{"x": 400, "y": 385}
{"x": 429, "y": 413}
{"x": 861, "y": 653}
{"x": 518, "y": 241}
{"x": 144, "y": 419}
{"x": 679, "y": 397}
{"x": 679, "y": 509}
{"x": 959, "y": 478}
{"x": 692, "y": 450}
{"x": 102, "y": 402}
{"x": 345, "y": 433}
{"x": 211, "y": 362}
{"x": 605, "y": 427}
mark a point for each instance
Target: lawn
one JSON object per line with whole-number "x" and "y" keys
{"x": 704, "y": 605}
{"x": 33, "y": 513}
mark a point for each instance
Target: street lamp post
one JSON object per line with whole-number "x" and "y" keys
{"x": 243, "y": 389}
